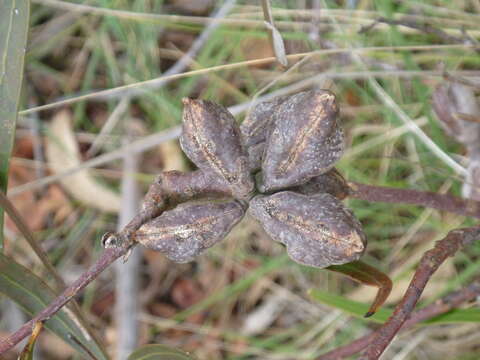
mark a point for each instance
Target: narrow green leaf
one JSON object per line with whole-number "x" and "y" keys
{"x": 158, "y": 352}
{"x": 30, "y": 293}
{"x": 357, "y": 309}
{"x": 351, "y": 307}
{"x": 457, "y": 316}
{"x": 14, "y": 17}
{"x": 60, "y": 285}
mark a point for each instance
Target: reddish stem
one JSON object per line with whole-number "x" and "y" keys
{"x": 107, "y": 258}
{"x": 154, "y": 204}
{"x": 442, "y": 306}
{"x": 428, "y": 199}
{"x": 429, "y": 263}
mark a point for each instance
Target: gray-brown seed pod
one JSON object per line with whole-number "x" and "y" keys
{"x": 211, "y": 139}
{"x": 179, "y": 186}
{"x": 317, "y": 230}
{"x": 255, "y": 129}
{"x": 186, "y": 231}
{"x": 258, "y": 121}
{"x": 305, "y": 140}
{"x": 332, "y": 182}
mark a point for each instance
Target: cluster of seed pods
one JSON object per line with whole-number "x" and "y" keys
{"x": 278, "y": 166}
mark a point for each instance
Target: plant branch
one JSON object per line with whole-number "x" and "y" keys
{"x": 441, "y": 306}
{"x": 428, "y": 199}
{"x": 60, "y": 284}
{"x": 107, "y": 258}
{"x": 377, "y": 341}
{"x": 429, "y": 263}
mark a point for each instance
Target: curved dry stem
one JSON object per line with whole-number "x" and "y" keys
{"x": 442, "y": 306}
{"x": 376, "y": 342}
{"x": 427, "y": 199}
{"x": 429, "y": 263}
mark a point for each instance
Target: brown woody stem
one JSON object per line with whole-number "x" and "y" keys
{"x": 154, "y": 204}
{"x": 429, "y": 263}
{"x": 428, "y": 199}
{"x": 107, "y": 258}
{"x": 442, "y": 306}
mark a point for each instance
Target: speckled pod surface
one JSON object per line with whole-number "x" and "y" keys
{"x": 186, "y": 231}
{"x": 211, "y": 139}
{"x": 305, "y": 140}
{"x": 318, "y": 230}
{"x": 255, "y": 128}
{"x": 332, "y": 182}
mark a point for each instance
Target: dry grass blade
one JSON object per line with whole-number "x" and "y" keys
{"x": 275, "y": 36}
{"x": 144, "y": 86}
{"x": 127, "y": 274}
{"x": 27, "y": 352}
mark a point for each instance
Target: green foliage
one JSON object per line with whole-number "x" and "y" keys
{"x": 32, "y": 294}
{"x": 158, "y": 352}
{"x": 14, "y": 16}
{"x": 358, "y": 310}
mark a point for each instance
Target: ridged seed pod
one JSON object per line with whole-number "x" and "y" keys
{"x": 332, "y": 182}
{"x": 186, "y": 231}
{"x": 211, "y": 139}
{"x": 255, "y": 129}
{"x": 305, "y": 140}
{"x": 317, "y": 230}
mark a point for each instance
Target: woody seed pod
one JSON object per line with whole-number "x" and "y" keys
{"x": 332, "y": 182}
{"x": 317, "y": 230}
{"x": 255, "y": 128}
{"x": 186, "y": 231}
{"x": 452, "y": 101}
{"x": 211, "y": 139}
{"x": 305, "y": 141}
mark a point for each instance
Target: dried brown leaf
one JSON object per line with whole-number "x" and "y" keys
{"x": 63, "y": 153}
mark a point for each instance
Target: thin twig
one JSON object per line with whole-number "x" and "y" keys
{"x": 441, "y": 306}
{"x": 107, "y": 258}
{"x": 427, "y": 199}
{"x": 429, "y": 263}
{"x": 76, "y": 313}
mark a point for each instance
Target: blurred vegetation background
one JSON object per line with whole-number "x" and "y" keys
{"x": 94, "y": 97}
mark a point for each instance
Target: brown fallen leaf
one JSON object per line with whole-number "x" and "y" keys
{"x": 63, "y": 153}
{"x": 35, "y": 208}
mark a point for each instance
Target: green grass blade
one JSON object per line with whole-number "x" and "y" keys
{"x": 351, "y": 307}
{"x": 457, "y": 316}
{"x": 358, "y": 309}
{"x": 30, "y": 293}
{"x": 14, "y": 17}
{"x": 158, "y": 352}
